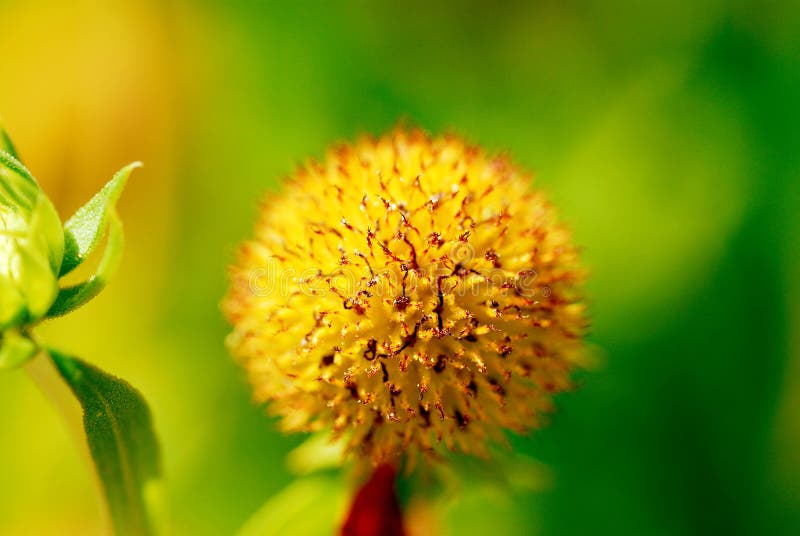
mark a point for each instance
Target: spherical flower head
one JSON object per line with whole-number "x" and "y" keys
{"x": 408, "y": 292}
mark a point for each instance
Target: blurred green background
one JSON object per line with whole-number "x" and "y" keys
{"x": 666, "y": 132}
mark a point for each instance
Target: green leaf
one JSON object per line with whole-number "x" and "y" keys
{"x": 70, "y": 298}
{"x": 5, "y": 142}
{"x": 122, "y": 443}
{"x": 83, "y": 230}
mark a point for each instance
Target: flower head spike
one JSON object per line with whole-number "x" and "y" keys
{"x": 408, "y": 292}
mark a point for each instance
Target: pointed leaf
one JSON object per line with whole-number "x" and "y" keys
{"x": 83, "y": 230}
{"x": 70, "y": 298}
{"x": 122, "y": 443}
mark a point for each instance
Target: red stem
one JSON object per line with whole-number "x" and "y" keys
{"x": 376, "y": 510}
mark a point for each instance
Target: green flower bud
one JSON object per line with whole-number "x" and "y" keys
{"x": 31, "y": 247}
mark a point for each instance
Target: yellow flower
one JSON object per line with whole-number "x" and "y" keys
{"x": 408, "y": 292}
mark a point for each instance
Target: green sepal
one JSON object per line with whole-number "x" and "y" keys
{"x": 46, "y": 228}
{"x": 70, "y": 298}
{"x": 38, "y": 281}
{"x": 12, "y": 304}
{"x": 85, "y": 228}
{"x": 22, "y": 192}
{"x": 122, "y": 443}
{"x": 11, "y": 162}
{"x": 15, "y": 349}
{"x": 5, "y": 142}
